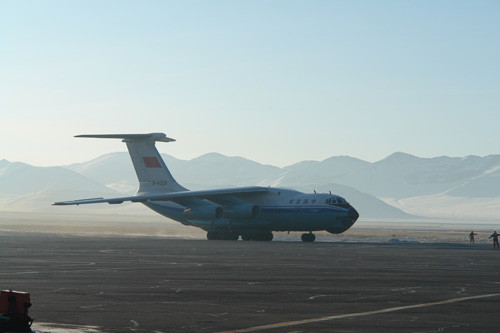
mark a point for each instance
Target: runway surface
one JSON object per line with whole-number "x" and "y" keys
{"x": 151, "y": 284}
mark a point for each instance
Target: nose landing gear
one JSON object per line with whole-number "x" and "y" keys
{"x": 310, "y": 237}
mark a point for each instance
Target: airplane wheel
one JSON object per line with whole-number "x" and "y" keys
{"x": 268, "y": 236}
{"x": 308, "y": 237}
{"x": 262, "y": 236}
{"x": 211, "y": 235}
{"x": 226, "y": 235}
{"x": 265, "y": 237}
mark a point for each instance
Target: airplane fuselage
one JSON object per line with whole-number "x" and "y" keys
{"x": 280, "y": 210}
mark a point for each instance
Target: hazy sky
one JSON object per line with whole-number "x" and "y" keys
{"x": 273, "y": 81}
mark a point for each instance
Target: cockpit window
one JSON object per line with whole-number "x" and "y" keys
{"x": 336, "y": 201}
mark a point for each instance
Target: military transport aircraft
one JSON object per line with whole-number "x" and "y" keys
{"x": 226, "y": 214}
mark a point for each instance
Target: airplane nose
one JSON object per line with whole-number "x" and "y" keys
{"x": 353, "y": 214}
{"x": 343, "y": 222}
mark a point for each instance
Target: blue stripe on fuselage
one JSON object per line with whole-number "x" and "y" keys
{"x": 302, "y": 209}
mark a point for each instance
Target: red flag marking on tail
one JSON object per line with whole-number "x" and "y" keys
{"x": 151, "y": 162}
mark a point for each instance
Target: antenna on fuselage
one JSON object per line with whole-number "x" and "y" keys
{"x": 330, "y": 192}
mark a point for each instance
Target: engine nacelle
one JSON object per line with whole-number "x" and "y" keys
{"x": 204, "y": 213}
{"x": 243, "y": 211}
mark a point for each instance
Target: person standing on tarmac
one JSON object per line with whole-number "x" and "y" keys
{"x": 471, "y": 237}
{"x": 495, "y": 239}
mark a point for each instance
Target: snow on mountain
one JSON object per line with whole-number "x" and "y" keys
{"x": 431, "y": 187}
{"x": 454, "y": 208}
{"x": 116, "y": 171}
{"x": 215, "y": 170}
{"x": 486, "y": 185}
{"x": 313, "y": 172}
{"x": 21, "y": 178}
{"x": 418, "y": 186}
{"x": 403, "y": 176}
{"x": 27, "y": 187}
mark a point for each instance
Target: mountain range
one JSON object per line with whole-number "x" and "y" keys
{"x": 399, "y": 186}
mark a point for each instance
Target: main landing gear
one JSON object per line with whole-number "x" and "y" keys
{"x": 222, "y": 235}
{"x": 310, "y": 237}
{"x": 265, "y": 236}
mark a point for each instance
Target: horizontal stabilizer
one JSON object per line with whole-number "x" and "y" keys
{"x": 130, "y": 137}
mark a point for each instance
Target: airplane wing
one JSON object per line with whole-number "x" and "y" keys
{"x": 174, "y": 196}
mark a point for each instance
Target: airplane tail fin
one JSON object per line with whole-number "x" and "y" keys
{"x": 150, "y": 168}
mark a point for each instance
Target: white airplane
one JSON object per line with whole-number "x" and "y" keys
{"x": 226, "y": 214}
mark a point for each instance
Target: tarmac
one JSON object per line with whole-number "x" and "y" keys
{"x": 157, "y": 284}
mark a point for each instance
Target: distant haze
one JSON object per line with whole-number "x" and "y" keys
{"x": 399, "y": 186}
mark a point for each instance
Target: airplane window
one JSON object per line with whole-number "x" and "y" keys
{"x": 334, "y": 201}
{"x": 314, "y": 201}
{"x": 291, "y": 201}
{"x": 306, "y": 201}
{"x": 298, "y": 201}
{"x": 327, "y": 201}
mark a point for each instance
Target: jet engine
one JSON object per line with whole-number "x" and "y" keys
{"x": 203, "y": 213}
{"x": 242, "y": 211}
